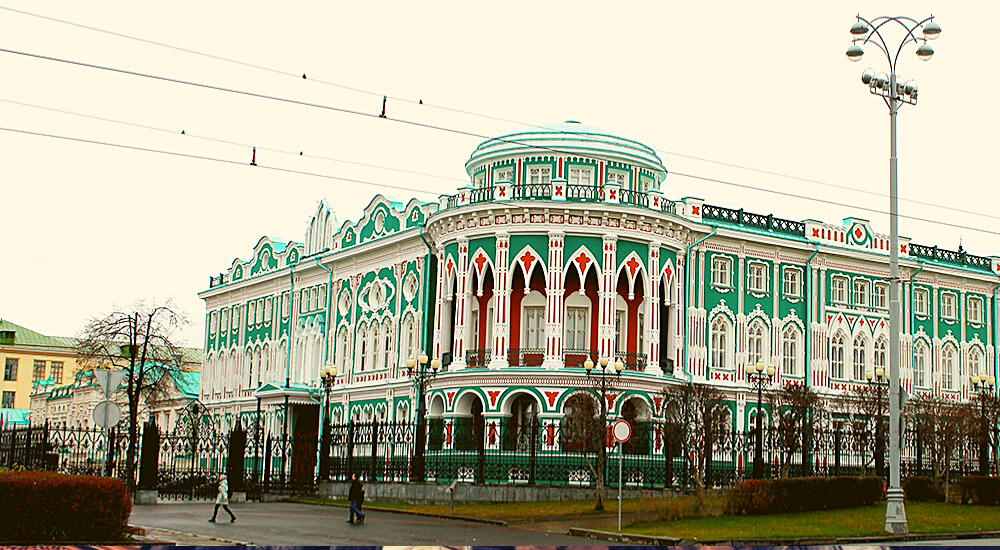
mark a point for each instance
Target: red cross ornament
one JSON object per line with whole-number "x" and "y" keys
{"x": 632, "y": 266}
{"x": 527, "y": 258}
{"x": 479, "y": 261}
{"x": 559, "y": 190}
{"x": 695, "y": 210}
{"x": 582, "y": 261}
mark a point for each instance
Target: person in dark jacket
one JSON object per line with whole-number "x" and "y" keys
{"x": 357, "y": 497}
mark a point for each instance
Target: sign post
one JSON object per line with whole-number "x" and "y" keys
{"x": 106, "y": 413}
{"x": 622, "y": 432}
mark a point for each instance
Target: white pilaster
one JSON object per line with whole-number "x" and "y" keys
{"x": 501, "y": 308}
{"x": 554, "y": 310}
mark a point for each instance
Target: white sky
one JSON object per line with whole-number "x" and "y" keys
{"x": 86, "y": 227}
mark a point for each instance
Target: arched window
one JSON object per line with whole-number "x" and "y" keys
{"x": 266, "y": 362}
{"x": 371, "y": 345}
{"x": 362, "y": 332}
{"x": 920, "y": 364}
{"x": 720, "y": 343}
{"x": 533, "y": 307}
{"x": 755, "y": 343}
{"x": 577, "y": 322}
{"x": 975, "y": 361}
{"x": 837, "y": 345}
{"x": 948, "y": 367}
{"x": 387, "y": 342}
{"x": 881, "y": 345}
{"x": 790, "y": 350}
{"x": 621, "y": 323}
{"x": 343, "y": 348}
{"x": 860, "y": 357}
{"x": 406, "y": 346}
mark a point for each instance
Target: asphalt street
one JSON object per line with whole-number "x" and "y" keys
{"x": 286, "y": 523}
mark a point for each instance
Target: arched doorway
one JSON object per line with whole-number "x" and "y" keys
{"x": 636, "y": 412}
{"x": 520, "y": 427}
{"x": 581, "y": 430}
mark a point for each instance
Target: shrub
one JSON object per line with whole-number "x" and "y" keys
{"x": 980, "y": 490}
{"x": 923, "y": 489}
{"x": 50, "y": 507}
{"x": 775, "y": 496}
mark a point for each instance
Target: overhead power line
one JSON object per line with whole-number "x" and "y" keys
{"x": 228, "y": 142}
{"x": 398, "y": 187}
{"x": 299, "y": 76}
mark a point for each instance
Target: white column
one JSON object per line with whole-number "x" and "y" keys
{"x": 462, "y": 313}
{"x": 608, "y": 291}
{"x": 554, "y": 310}
{"x": 501, "y": 306}
{"x": 439, "y": 307}
{"x": 652, "y": 313}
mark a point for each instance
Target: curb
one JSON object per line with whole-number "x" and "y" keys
{"x": 499, "y": 522}
{"x": 673, "y": 541}
{"x": 194, "y": 535}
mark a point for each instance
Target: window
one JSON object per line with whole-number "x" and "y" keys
{"x": 576, "y": 328}
{"x": 581, "y": 176}
{"x": 478, "y": 181}
{"x": 721, "y": 271}
{"x": 920, "y": 365}
{"x": 39, "y": 371}
{"x": 757, "y": 278}
{"x": 267, "y": 309}
{"x": 948, "y": 305}
{"x": 503, "y": 174}
{"x": 617, "y": 177}
{"x": 838, "y": 289}
{"x": 880, "y": 358}
{"x": 236, "y": 318}
{"x": 8, "y": 400}
{"x": 646, "y": 184}
{"x": 790, "y": 351}
{"x": 303, "y": 300}
{"x": 212, "y": 320}
{"x": 948, "y": 367}
{"x": 790, "y": 285}
{"x": 343, "y": 348}
{"x": 837, "y": 355}
{"x": 408, "y": 347}
{"x": 371, "y": 346}
{"x": 860, "y": 363}
{"x": 387, "y": 338}
{"x": 260, "y": 310}
{"x": 620, "y": 331}
{"x": 881, "y": 296}
{"x": 920, "y": 301}
{"x": 284, "y": 306}
{"x": 720, "y": 343}
{"x": 975, "y": 361}
{"x": 539, "y": 174}
{"x": 252, "y": 313}
{"x": 975, "y": 313}
{"x": 10, "y": 369}
{"x": 225, "y": 320}
{"x": 860, "y": 293}
{"x": 755, "y": 343}
{"x": 57, "y": 372}
{"x": 364, "y": 347}
{"x": 534, "y": 327}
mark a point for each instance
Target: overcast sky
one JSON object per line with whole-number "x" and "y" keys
{"x": 87, "y": 226}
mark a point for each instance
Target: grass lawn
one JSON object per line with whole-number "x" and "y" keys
{"x": 923, "y": 517}
{"x": 514, "y": 511}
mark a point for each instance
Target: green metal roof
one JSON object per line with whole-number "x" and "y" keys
{"x": 187, "y": 381}
{"x": 27, "y": 337}
{"x": 15, "y": 416}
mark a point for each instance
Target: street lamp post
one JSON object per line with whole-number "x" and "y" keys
{"x": 870, "y": 32}
{"x": 417, "y": 370}
{"x": 983, "y": 388}
{"x": 602, "y": 381}
{"x": 327, "y": 377}
{"x": 881, "y": 387}
{"x": 760, "y": 378}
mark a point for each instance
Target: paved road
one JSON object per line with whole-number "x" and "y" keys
{"x": 286, "y": 523}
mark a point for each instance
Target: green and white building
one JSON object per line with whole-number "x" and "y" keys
{"x": 564, "y": 245}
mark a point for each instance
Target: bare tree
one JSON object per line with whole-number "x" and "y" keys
{"x": 868, "y": 406}
{"x": 585, "y": 431}
{"x": 797, "y": 409}
{"x": 700, "y": 415}
{"x": 140, "y": 341}
{"x": 942, "y": 427}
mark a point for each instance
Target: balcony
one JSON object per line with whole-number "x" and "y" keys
{"x": 749, "y": 219}
{"x": 632, "y": 361}
{"x": 525, "y": 357}
{"x": 576, "y": 357}
{"x": 960, "y": 258}
{"x": 559, "y": 190}
{"x": 478, "y": 358}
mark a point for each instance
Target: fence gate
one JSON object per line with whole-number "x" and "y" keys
{"x": 192, "y": 457}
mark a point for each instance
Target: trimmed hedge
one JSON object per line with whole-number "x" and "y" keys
{"x": 776, "y": 496}
{"x": 49, "y": 507}
{"x": 922, "y": 489}
{"x": 980, "y": 490}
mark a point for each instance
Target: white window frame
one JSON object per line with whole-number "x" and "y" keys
{"x": 860, "y": 293}
{"x": 948, "y": 306}
{"x": 533, "y": 309}
{"x": 757, "y": 277}
{"x": 581, "y": 175}
{"x": 224, "y": 320}
{"x": 948, "y": 354}
{"x": 621, "y": 324}
{"x": 859, "y": 357}
{"x": 880, "y": 296}
{"x": 500, "y": 172}
{"x": 722, "y": 271}
{"x": 975, "y": 361}
{"x": 920, "y": 353}
{"x": 880, "y": 355}
{"x": 543, "y": 176}
{"x": 838, "y": 289}
{"x": 756, "y": 342}
{"x": 920, "y": 301}
{"x": 790, "y": 351}
{"x": 975, "y": 309}
{"x": 838, "y": 346}
{"x": 576, "y": 304}
{"x": 720, "y": 342}
{"x": 791, "y": 282}
{"x": 618, "y": 177}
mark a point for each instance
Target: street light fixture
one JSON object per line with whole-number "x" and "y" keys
{"x": 881, "y": 388}
{"x": 983, "y": 388}
{"x": 870, "y": 32}
{"x": 603, "y": 380}
{"x": 759, "y": 377}
{"x": 416, "y": 369}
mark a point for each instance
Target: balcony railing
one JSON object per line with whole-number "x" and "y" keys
{"x": 526, "y": 357}
{"x": 478, "y": 358}
{"x": 576, "y": 357}
{"x": 633, "y": 361}
{"x": 961, "y": 258}
{"x": 749, "y": 219}
{"x": 543, "y": 191}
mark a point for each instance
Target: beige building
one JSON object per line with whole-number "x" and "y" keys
{"x": 28, "y": 357}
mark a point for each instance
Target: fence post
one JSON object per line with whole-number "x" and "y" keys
{"x": 481, "y": 450}
{"x": 324, "y": 452}
{"x": 709, "y": 463}
{"x": 668, "y": 455}
{"x": 920, "y": 454}
{"x": 237, "y": 462}
{"x": 374, "y": 472}
{"x": 533, "y": 451}
{"x": 266, "y": 484}
{"x": 350, "y": 449}
{"x": 836, "y": 450}
{"x": 149, "y": 464}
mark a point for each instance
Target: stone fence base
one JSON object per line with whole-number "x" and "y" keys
{"x": 437, "y": 493}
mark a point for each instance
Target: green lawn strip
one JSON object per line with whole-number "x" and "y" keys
{"x": 519, "y": 511}
{"x": 922, "y": 517}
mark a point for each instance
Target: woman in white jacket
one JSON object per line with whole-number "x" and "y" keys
{"x": 223, "y": 500}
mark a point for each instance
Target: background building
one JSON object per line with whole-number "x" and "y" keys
{"x": 565, "y": 246}
{"x": 29, "y": 357}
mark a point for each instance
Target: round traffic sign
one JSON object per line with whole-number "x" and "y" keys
{"x": 622, "y": 431}
{"x": 106, "y": 414}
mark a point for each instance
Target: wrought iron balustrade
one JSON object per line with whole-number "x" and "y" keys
{"x": 581, "y": 193}
{"x": 576, "y": 357}
{"x": 638, "y": 198}
{"x": 950, "y": 256}
{"x": 632, "y": 361}
{"x": 533, "y": 191}
{"x": 525, "y": 357}
{"x": 749, "y": 219}
{"x": 478, "y": 358}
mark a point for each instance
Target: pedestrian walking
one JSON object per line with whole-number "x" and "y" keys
{"x": 223, "y": 500}
{"x": 357, "y": 497}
